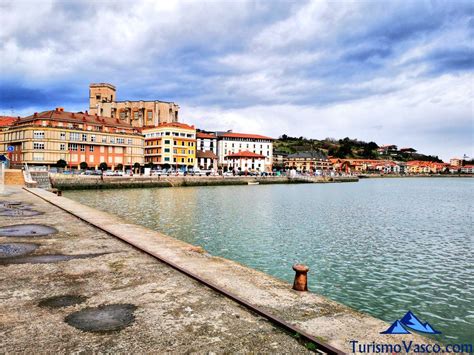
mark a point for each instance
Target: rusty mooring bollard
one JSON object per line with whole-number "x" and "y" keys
{"x": 301, "y": 278}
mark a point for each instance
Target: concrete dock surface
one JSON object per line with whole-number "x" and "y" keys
{"x": 81, "y": 289}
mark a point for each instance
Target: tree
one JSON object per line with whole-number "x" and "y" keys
{"x": 119, "y": 166}
{"x": 61, "y": 163}
{"x": 103, "y": 166}
{"x": 83, "y": 165}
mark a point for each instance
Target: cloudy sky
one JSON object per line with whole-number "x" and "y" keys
{"x": 398, "y": 72}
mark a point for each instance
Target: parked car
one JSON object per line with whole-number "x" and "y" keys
{"x": 157, "y": 172}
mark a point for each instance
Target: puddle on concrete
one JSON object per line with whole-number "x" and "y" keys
{"x": 17, "y": 209}
{"x": 18, "y": 213}
{"x": 62, "y": 301}
{"x": 10, "y": 250}
{"x": 26, "y": 230}
{"x": 104, "y": 318}
{"x": 46, "y": 258}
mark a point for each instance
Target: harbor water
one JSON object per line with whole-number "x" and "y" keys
{"x": 381, "y": 246}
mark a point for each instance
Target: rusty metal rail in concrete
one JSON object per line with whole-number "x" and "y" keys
{"x": 302, "y": 335}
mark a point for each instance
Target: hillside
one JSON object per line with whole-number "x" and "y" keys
{"x": 345, "y": 148}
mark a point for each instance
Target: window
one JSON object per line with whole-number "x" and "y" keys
{"x": 62, "y": 146}
{"x": 174, "y": 160}
{"x": 62, "y": 136}
{"x": 38, "y": 134}
{"x": 84, "y": 137}
{"x": 167, "y": 133}
{"x": 167, "y": 159}
{"x": 92, "y": 137}
{"x": 38, "y": 156}
{"x": 83, "y": 148}
{"x": 72, "y": 146}
{"x": 120, "y": 140}
{"x": 182, "y": 134}
{"x": 167, "y": 141}
{"x": 175, "y": 151}
{"x": 91, "y": 148}
{"x": 135, "y": 115}
{"x": 150, "y": 115}
{"x": 129, "y": 141}
{"x": 122, "y": 115}
{"x": 167, "y": 150}
{"x": 39, "y": 146}
{"x": 190, "y": 152}
{"x": 104, "y": 139}
{"x": 74, "y": 136}
{"x": 112, "y": 140}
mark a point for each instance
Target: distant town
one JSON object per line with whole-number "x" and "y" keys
{"x": 136, "y": 135}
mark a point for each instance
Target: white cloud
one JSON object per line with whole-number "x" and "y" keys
{"x": 429, "y": 116}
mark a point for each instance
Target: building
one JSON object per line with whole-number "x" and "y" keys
{"x": 229, "y": 143}
{"x": 5, "y": 123}
{"x": 206, "y": 153}
{"x": 171, "y": 145}
{"x": 245, "y": 161}
{"x": 407, "y": 150}
{"x": 387, "y": 149}
{"x": 467, "y": 169}
{"x": 102, "y": 101}
{"x": 312, "y": 161}
{"x": 457, "y": 162}
{"x": 279, "y": 159}
{"x": 46, "y": 137}
{"x": 426, "y": 167}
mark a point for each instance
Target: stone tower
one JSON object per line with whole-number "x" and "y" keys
{"x": 100, "y": 93}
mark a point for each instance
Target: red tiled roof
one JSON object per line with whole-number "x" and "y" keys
{"x": 245, "y": 154}
{"x": 76, "y": 117}
{"x": 205, "y": 135}
{"x": 6, "y": 121}
{"x": 244, "y": 135}
{"x": 205, "y": 154}
{"x": 176, "y": 125}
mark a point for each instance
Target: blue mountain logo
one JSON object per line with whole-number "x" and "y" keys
{"x": 410, "y": 322}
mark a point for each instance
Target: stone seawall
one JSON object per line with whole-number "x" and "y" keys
{"x": 81, "y": 182}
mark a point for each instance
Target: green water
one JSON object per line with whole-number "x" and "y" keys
{"x": 382, "y": 246}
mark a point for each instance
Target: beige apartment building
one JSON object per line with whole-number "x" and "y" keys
{"x": 103, "y": 102}
{"x": 46, "y": 137}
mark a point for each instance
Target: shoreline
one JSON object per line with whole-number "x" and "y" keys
{"x": 67, "y": 182}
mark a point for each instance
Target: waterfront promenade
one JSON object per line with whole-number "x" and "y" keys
{"x": 167, "y": 311}
{"x": 79, "y": 182}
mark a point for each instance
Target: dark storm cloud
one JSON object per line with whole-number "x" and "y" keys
{"x": 292, "y": 58}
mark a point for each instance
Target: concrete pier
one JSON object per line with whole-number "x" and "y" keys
{"x": 169, "y": 312}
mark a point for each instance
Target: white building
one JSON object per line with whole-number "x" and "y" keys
{"x": 229, "y": 143}
{"x": 206, "y": 153}
{"x": 245, "y": 161}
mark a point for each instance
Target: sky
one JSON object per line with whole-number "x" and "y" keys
{"x": 393, "y": 72}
